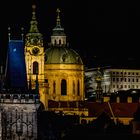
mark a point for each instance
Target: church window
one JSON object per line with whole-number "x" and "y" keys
{"x": 73, "y": 87}
{"x": 78, "y": 88}
{"x": 59, "y": 42}
{"x": 55, "y": 42}
{"x": 46, "y": 80}
{"x": 35, "y": 68}
{"x": 54, "y": 87}
{"x": 63, "y": 87}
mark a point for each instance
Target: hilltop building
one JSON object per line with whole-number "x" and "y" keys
{"x": 114, "y": 79}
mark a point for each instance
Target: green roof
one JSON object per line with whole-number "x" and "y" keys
{"x": 62, "y": 55}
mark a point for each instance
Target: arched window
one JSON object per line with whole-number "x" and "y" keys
{"x": 78, "y": 88}
{"x": 73, "y": 87}
{"x": 35, "y": 68}
{"x": 63, "y": 87}
{"x": 54, "y": 87}
{"x": 59, "y": 42}
{"x": 55, "y": 42}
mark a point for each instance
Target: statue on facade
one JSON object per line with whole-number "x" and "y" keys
{"x": 99, "y": 91}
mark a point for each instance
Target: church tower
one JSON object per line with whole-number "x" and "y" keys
{"x": 64, "y": 69}
{"x": 34, "y": 55}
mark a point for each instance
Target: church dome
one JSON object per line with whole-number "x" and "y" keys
{"x": 62, "y": 55}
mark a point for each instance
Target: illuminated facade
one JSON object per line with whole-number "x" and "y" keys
{"x": 114, "y": 80}
{"x": 34, "y": 56}
{"x": 18, "y": 116}
{"x": 59, "y": 67}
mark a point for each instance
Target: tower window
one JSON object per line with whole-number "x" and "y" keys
{"x": 78, "y": 88}
{"x": 63, "y": 87}
{"x": 35, "y": 68}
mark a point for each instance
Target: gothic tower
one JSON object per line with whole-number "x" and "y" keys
{"x": 64, "y": 69}
{"x": 34, "y": 56}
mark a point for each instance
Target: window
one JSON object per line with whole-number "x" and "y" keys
{"x": 73, "y": 88}
{"x": 78, "y": 88}
{"x": 125, "y": 79}
{"x": 35, "y": 68}
{"x": 63, "y": 87}
{"x": 54, "y": 87}
{"x": 55, "y": 42}
{"x": 113, "y": 79}
{"x": 59, "y": 42}
{"x": 46, "y": 80}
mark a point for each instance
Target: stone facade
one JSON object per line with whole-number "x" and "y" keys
{"x": 18, "y": 116}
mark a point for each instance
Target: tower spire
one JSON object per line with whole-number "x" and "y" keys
{"x": 33, "y": 23}
{"x": 34, "y": 37}
{"x": 58, "y": 18}
{"x": 58, "y": 37}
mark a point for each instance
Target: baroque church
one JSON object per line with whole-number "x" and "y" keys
{"x": 56, "y": 75}
{"x": 59, "y": 68}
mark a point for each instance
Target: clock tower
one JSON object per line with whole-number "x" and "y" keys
{"x": 34, "y": 56}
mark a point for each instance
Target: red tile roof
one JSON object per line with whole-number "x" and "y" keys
{"x": 119, "y": 109}
{"x": 96, "y": 108}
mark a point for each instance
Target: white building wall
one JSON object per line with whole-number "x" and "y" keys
{"x": 116, "y": 79}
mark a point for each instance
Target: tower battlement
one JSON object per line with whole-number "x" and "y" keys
{"x": 23, "y": 98}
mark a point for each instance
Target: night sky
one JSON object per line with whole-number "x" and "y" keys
{"x": 102, "y": 33}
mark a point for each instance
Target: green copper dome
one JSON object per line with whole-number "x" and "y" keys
{"x": 62, "y": 55}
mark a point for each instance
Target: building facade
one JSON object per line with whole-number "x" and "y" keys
{"x": 59, "y": 68}
{"x": 114, "y": 80}
{"x": 18, "y": 116}
{"x": 34, "y": 56}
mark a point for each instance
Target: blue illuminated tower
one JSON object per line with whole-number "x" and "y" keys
{"x": 15, "y": 66}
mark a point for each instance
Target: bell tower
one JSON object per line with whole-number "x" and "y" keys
{"x": 34, "y": 55}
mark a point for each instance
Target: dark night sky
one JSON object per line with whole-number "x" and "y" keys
{"x": 102, "y": 33}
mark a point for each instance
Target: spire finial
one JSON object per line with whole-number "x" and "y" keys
{"x": 9, "y": 33}
{"x": 33, "y": 12}
{"x": 22, "y": 34}
{"x": 58, "y": 17}
{"x": 33, "y": 27}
